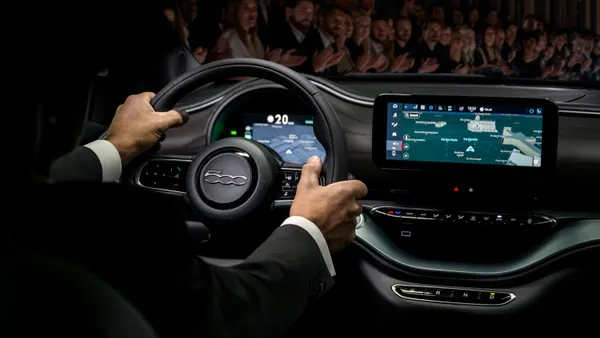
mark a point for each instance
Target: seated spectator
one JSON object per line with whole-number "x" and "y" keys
{"x": 457, "y": 19}
{"x": 487, "y": 54}
{"x": 468, "y": 46}
{"x": 430, "y": 55}
{"x": 527, "y": 61}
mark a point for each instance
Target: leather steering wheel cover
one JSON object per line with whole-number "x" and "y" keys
{"x": 328, "y": 129}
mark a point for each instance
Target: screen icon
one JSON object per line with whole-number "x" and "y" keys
{"x": 395, "y": 115}
{"x": 461, "y": 108}
{"x": 405, "y": 156}
{"x": 450, "y": 108}
{"x": 395, "y": 105}
{"x": 394, "y": 134}
{"x": 394, "y": 124}
{"x": 539, "y": 110}
{"x": 481, "y": 109}
{"x": 531, "y": 111}
{"x": 422, "y": 107}
{"x": 440, "y": 108}
{"x": 472, "y": 109}
{"x": 470, "y": 149}
{"x": 430, "y": 107}
{"x": 416, "y": 107}
{"x": 393, "y": 153}
{"x": 270, "y": 119}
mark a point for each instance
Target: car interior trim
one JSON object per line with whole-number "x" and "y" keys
{"x": 348, "y": 97}
{"x": 565, "y": 240}
{"x": 418, "y": 295}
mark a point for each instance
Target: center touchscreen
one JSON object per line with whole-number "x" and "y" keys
{"x": 465, "y": 131}
{"x": 465, "y": 134}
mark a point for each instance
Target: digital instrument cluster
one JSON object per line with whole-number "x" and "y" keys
{"x": 290, "y": 135}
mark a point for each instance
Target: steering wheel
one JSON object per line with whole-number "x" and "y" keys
{"x": 232, "y": 177}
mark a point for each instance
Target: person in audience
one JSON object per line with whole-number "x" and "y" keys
{"x": 487, "y": 54}
{"x": 401, "y": 56}
{"x": 560, "y": 45}
{"x": 430, "y": 55}
{"x": 446, "y": 36}
{"x": 359, "y": 47}
{"x": 528, "y": 61}
{"x": 530, "y": 23}
{"x": 437, "y": 13}
{"x": 379, "y": 39}
{"x": 492, "y": 18}
{"x": 455, "y": 55}
{"x": 457, "y": 19}
{"x": 468, "y": 46}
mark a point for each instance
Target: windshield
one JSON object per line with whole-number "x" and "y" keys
{"x": 547, "y": 40}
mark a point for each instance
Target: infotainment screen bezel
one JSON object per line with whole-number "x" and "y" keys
{"x": 549, "y": 144}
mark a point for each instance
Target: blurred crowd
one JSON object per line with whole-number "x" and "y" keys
{"x": 333, "y": 38}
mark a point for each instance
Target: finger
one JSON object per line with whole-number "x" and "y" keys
{"x": 353, "y": 188}
{"x": 290, "y": 51}
{"x": 173, "y": 118}
{"x": 147, "y": 96}
{"x": 310, "y": 173}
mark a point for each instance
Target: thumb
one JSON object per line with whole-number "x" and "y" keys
{"x": 310, "y": 173}
{"x": 173, "y": 118}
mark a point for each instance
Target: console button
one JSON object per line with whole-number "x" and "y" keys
{"x": 287, "y": 194}
{"x": 473, "y": 218}
{"x": 493, "y": 298}
{"x": 448, "y": 217}
{"x": 285, "y": 185}
{"x": 409, "y": 213}
{"x": 485, "y": 219}
{"x": 437, "y": 215}
{"x": 499, "y": 219}
{"x": 424, "y": 215}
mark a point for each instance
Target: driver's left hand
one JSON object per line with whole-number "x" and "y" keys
{"x": 136, "y": 126}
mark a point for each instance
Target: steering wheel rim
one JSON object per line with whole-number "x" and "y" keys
{"x": 328, "y": 129}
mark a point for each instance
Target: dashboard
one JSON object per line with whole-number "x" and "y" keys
{"x": 479, "y": 208}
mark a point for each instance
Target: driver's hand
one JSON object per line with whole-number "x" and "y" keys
{"x": 136, "y": 127}
{"x": 333, "y": 208}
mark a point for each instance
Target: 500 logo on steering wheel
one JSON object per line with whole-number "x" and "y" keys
{"x": 217, "y": 177}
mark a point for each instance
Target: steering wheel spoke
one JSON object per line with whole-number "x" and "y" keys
{"x": 289, "y": 175}
{"x": 166, "y": 174}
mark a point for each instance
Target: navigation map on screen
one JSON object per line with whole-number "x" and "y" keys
{"x": 290, "y": 135}
{"x": 489, "y": 135}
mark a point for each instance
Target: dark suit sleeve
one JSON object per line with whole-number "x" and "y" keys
{"x": 137, "y": 241}
{"x": 267, "y": 293}
{"x": 82, "y": 164}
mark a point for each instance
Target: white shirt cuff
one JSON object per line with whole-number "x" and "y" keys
{"x": 317, "y": 235}
{"x": 109, "y": 157}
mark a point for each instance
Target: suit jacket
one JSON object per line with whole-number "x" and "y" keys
{"x": 135, "y": 240}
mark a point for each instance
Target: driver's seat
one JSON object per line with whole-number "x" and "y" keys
{"x": 43, "y": 297}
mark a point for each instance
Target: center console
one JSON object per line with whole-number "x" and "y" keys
{"x": 477, "y": 170}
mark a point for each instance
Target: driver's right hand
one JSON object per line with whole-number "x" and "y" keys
{"x": 333, "y": 208}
